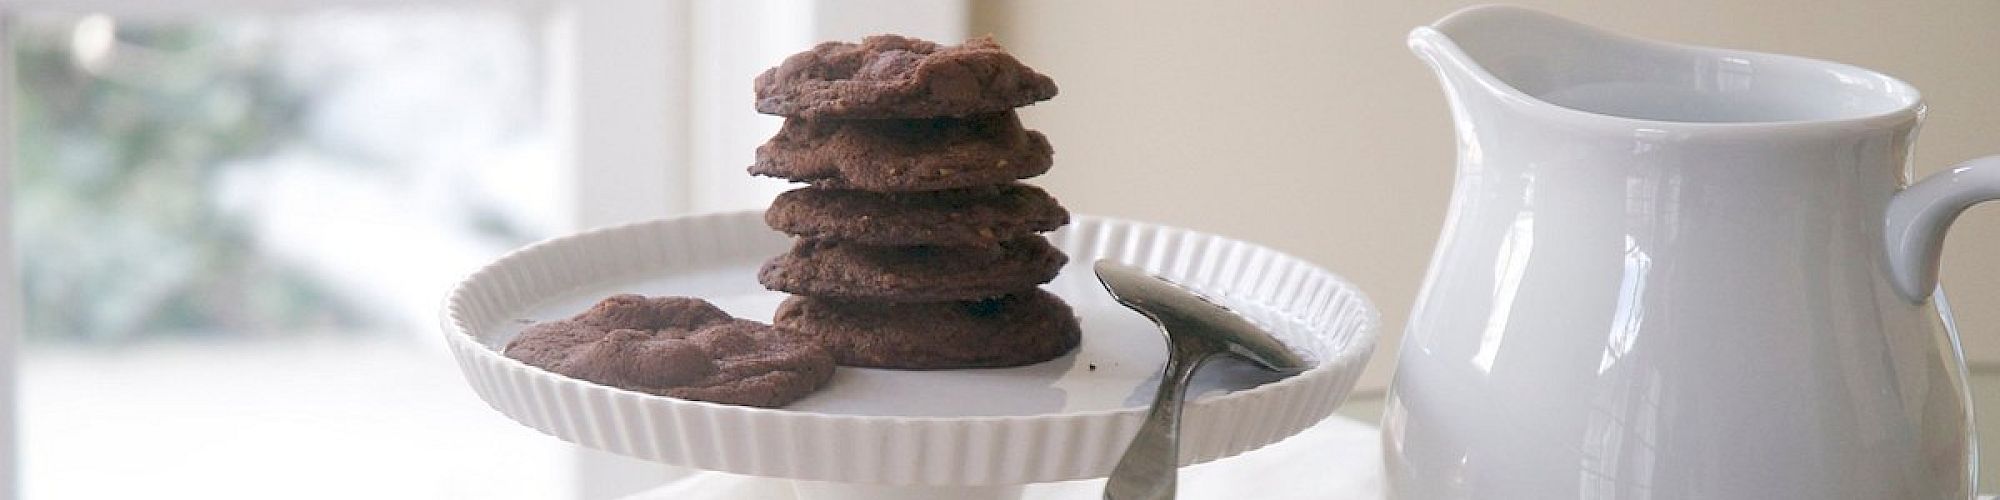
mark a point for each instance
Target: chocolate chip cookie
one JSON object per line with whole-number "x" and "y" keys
{"x": 905, "y": 155}
{"x": 1030, "y": 327}
{"x": 981, "y": 216}
{"x": 888, "y": 76}
{"x": 677, "y": 346}
{"x": 840, "y": 269}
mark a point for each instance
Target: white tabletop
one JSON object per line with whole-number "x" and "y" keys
{"x": 1342, "y": 456}
{"x": 1337, "y": 459}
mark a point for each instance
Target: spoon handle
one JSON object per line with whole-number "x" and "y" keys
{"x": 1152, "y": 462}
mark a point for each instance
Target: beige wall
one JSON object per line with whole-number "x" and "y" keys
{"x": 1307, "y": 126}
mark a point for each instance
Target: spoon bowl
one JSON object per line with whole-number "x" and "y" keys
{"x": 1180, "y": 310}
{"x": 1196, "y": 329}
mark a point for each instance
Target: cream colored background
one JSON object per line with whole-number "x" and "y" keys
{"x": 1307, "y": 126}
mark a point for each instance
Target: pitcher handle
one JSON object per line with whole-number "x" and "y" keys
{"x": 1919, "y": 215}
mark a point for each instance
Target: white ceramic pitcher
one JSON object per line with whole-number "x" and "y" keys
{"x": 1673, "y": 272}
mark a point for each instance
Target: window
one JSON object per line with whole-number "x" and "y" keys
{"x": 235, "y": 220}
{"x": 234, "y": 231}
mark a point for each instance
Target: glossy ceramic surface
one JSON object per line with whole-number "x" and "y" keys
{"x": 1672, "y": 272}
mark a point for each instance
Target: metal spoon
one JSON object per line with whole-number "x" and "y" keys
{"x": 1196, "y": 329}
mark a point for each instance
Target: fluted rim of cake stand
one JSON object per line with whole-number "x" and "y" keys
{"x": 903, "y": 450}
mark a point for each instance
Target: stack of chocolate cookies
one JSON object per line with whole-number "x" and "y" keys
{"x": 917, "y": 248}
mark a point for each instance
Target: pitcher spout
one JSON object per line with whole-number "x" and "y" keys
{"x": 1493, "y": 58}
{"x": 1467, "y": 82}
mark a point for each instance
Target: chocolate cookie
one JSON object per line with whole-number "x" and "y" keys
{"x": 982, "y": 216}
{"x": 888, "y": 76}
{"x": 833, "y": 268}
{"x": 905, "y": 155}
{"x": 1026, "y": 328}
{"x": 677, "y": 346}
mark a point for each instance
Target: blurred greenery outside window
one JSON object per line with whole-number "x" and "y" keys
{"x": 237, "y": 223}
{"x": 257, "y": 175}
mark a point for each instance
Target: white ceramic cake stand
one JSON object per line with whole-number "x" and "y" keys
{"x": 888, "y": 434}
